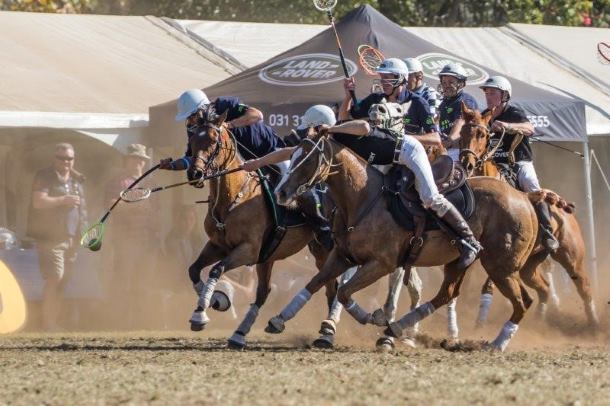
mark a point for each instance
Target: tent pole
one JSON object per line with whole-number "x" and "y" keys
{"x": 589, "y": 196}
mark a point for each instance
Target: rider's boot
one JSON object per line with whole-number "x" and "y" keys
{"x": 312, "y": 207}
{"x": 467, "y": 244}
{"x": 549, "y": 242}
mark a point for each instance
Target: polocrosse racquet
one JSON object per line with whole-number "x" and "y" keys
{"x": 369, "y": 58}
{"x": 327, "y": 6}
{"x": 603, "y": 53}
{"x": 92, "y": 238}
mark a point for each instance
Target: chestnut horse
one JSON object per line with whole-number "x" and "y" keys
{"x": 367, "y": 235}
{"x": 476, "y": 157}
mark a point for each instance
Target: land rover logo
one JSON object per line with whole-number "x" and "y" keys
{"x": 306, "y": 70}
{"x": 434, "y": 62}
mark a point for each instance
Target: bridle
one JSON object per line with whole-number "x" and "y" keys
{"x": 489, "y": 153}
{"x": 323, "y": 168}
{"x": 210, "y": 162}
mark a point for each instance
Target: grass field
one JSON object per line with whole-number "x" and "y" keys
{"x": 183, "y": 368}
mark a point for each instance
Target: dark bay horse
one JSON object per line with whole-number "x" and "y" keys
{"x": 367, "y": 235}
{"x": 476, "y": 158}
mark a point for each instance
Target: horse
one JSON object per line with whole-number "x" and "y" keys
{"x": 237, "y": 222}
{"x": 366, "y": 234}
{"x": 476, "y": 157}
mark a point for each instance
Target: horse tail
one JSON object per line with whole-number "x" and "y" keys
{"x": 552, "y": 199}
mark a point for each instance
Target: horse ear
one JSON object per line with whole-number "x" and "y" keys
{"x": 222, "y": 118}
{"x": 488, "y": 115}
{"x": 467, "y": 113}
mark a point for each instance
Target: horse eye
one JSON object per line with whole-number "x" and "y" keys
{"x": 382, "y": 109}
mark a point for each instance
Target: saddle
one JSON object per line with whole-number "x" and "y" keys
{"x": 405, "y": 206}
{"x": 283, "y": 218}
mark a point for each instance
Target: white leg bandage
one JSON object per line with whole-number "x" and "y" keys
{"x": 415, "y": 316}
{"x": 452, "y": 325}
{"x": 486, "y": 299}
{"x": 358, "y": 313}
{"x": 508, "y": 331}
{"x": 334, "y": 313}
{"x": 206, "y": 295}
{"x": 394, "y": 287}
{"x": 249, "y": 320}
{"x": 295, "y": 305}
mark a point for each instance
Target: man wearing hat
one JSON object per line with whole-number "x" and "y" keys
{"x": 132, "y": 237}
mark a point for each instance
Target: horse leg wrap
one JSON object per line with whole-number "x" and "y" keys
{"x": 295, "y": 305}
{"x": 246, "y": 324}
{"x": 206, "y": 296}
{"x": 358, "y": 313}
{"x": 508, "y": 331}
{"x": 452, "y": 325}
{"x": 485, "y": 304}
{"x": 417, "y": 315}
{"x": 335, "y": 311}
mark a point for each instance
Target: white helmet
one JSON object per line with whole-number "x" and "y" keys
{"x": 394, "y": 66}
{"x": 413, "y": 65}
{"x": 498, "y": 82}
{"x": 8, "y": 239}
{"x": 189, "y": 102}
{"x": 318, "y": 115}
{"x": 455, "y": 70}
{"x": 387, "y": 115}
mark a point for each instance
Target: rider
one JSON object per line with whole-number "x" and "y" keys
{"x": 418, "y": 120}
{"x": 452, "y": 82}
{"x": 510, "y": 120}
{"x": 415, "y": 83}
{"x": 254, "y": 139}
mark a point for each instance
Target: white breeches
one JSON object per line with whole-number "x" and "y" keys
{"x": 527, "y": 177}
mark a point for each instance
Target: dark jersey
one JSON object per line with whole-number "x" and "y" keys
{"x": 451, "y": 110}
{"x": 255, "y": 140}
{"x": 523, "y": 151}
{"x": 376, "y": 148}
{"x": 418, "y": 118}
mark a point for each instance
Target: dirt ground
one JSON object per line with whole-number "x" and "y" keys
{"x": 185, "y": 368}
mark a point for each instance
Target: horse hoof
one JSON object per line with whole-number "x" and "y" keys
{"x": 197, "y": 326}
{"x": 325, "y": 342}
{"x": 328, "y": 328}
{"x": 384, "y": 344}
{"x": 198, "y": 320}
{"x": 393, "y": 330}
{"x": 378, "y": 318}
{"x": 236, "y": 342}
{"x": 409, "y": 342}
{"x": 275, "y": 325}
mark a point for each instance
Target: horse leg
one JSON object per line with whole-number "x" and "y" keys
{"x": 263, "y": 273}
{"x": 237, "y": 257}
{"x": 415, "y": 287}
{"x": 513, "y": 289}
{"x": 453, "y": 277}
{"x": 487, "y": 291}
{"x": 395, "y": 281}
{"x": 328, "y": 328}
{"x": 574, "y": 264}
{"x": 547, "y": 271}
{"x": 209, "y": 255}
{"x": 532, "y": 277}
{"x": 334, "y": 266}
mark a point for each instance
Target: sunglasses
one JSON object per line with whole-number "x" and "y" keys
{"x": 64, "y": 158}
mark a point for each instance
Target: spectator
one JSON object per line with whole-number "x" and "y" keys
{"x": 57, "y": 217}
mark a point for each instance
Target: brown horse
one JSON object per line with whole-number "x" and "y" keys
{"x": 366, "y": 234}
{"x": 237, "y": 222}
{"x": 476, "y": 158}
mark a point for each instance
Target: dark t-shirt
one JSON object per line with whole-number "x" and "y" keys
{"x": 376, "y": 148}
{"x": 523, "y": 151}
{"x": 255, "y": 140}
{"x": 451, "y": 109}
{"x": 417, "y": 119}
{"x": 58, "y": 223}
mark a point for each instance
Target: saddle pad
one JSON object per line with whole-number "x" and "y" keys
{"x": 281, "y": 215}
{"x": 403, "y": 212}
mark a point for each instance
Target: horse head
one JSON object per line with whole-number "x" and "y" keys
{"x": 474, "y": 138}
{"x": 212, "y": 148}
{"x": 310, "y": 164}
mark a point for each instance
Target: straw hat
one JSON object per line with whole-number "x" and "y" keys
{"x": 137, "y": 150}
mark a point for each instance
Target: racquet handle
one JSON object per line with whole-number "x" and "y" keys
{"x": 331, "y": 19}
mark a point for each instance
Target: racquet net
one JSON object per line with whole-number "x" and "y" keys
{"x": 325, "y": 5}
{"x": 369, "y": 58}
{"x": 603, "y": 53}
{"x": 135, "y": 194}
{"x": 92, "y": 238}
